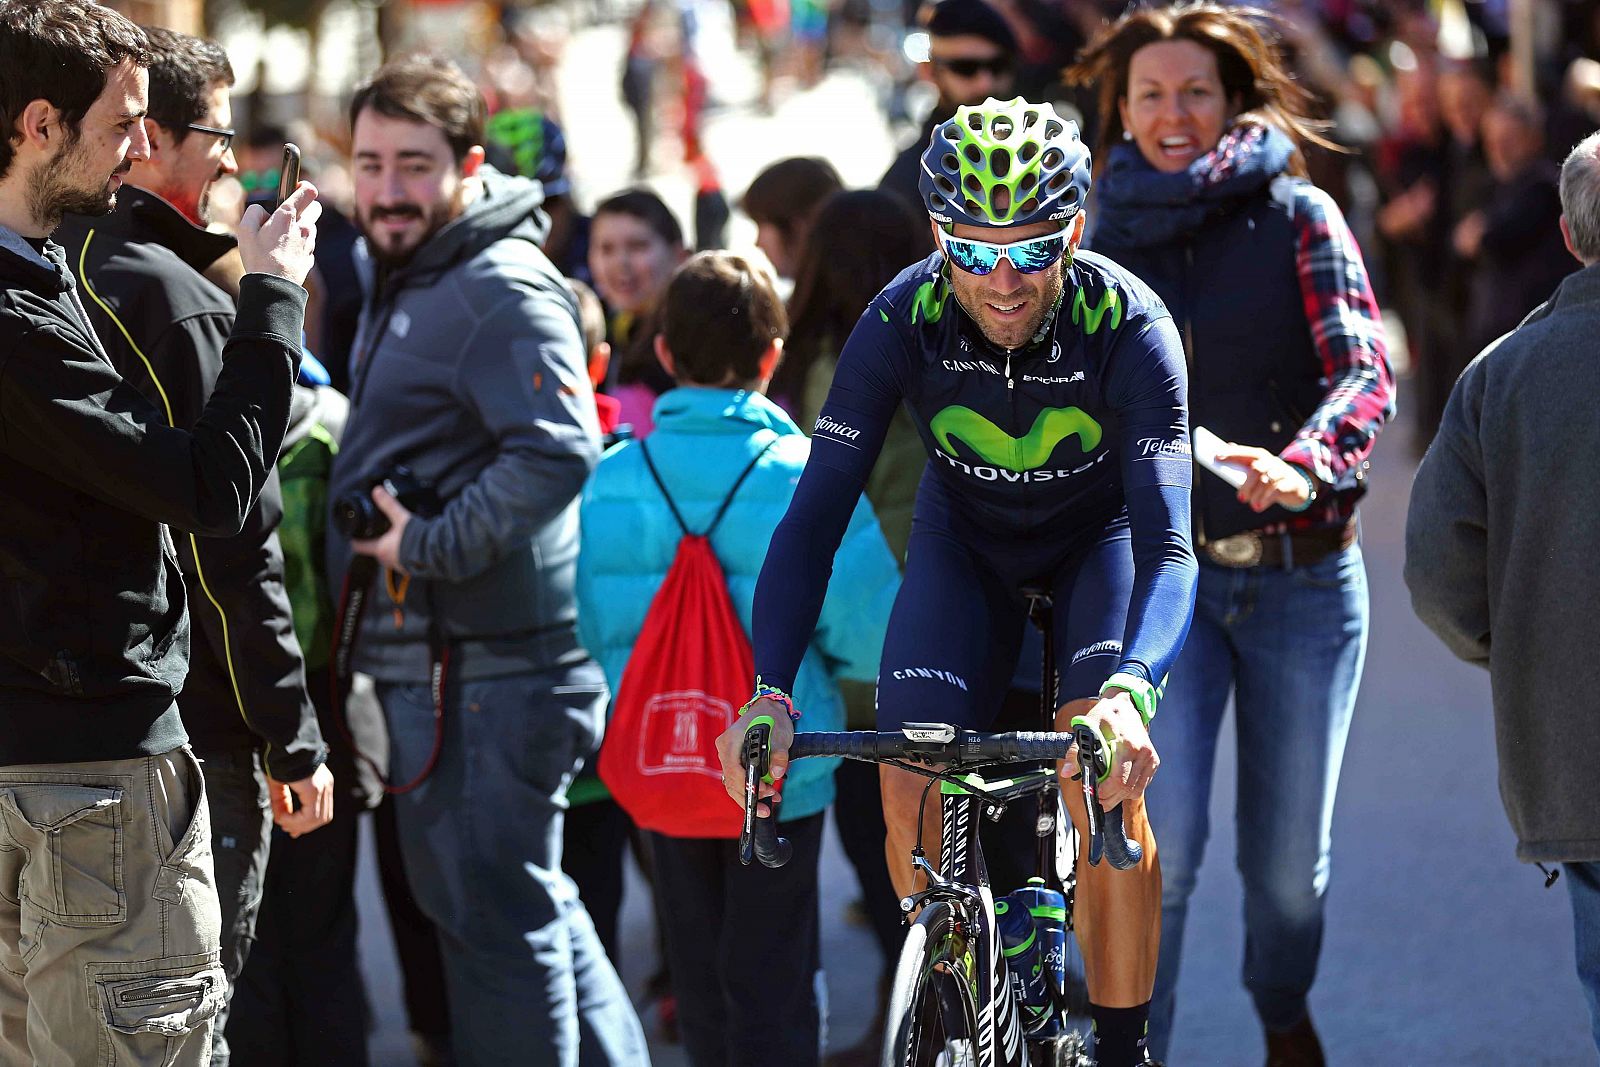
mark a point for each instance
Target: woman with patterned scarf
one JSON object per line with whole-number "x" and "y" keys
{"x": 1203, "y": 196}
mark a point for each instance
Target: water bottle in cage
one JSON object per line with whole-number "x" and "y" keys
{"x": 1048, "y": 908}
{"x": 1025, "y": 956}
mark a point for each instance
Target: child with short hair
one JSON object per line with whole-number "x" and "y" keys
{"x": 743, "y": 943}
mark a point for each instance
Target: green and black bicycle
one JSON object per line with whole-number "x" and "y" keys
{"x": 956, "y": 1000}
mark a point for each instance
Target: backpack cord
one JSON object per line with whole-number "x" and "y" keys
{"x": 722, "y": 510}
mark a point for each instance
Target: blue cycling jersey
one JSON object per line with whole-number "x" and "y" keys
{"x": 1035, "y": 453}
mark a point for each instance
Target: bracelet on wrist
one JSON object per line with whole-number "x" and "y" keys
{"x": 765, "y": 691}
{"x": 1145, "y": 695}
{"x": 1311, "y": 489}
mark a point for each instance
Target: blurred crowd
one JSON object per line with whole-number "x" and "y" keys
{"x": 1446, "y": 169}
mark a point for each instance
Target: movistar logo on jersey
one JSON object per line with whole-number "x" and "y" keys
{"x": 995, "y": 447}
{"x": 1090, "y": 318}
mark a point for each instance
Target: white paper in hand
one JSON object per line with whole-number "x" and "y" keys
{"x": 1206, "y": 446}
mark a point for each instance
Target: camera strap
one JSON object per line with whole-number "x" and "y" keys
{"x": 353, "y": 599}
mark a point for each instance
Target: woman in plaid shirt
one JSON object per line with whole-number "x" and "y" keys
{"x": 1203, "y": 196}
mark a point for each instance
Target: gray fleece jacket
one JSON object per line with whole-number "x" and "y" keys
{"x": 469, "y": 368}
{"x": 1503, "y": 560}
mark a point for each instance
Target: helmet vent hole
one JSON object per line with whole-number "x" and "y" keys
{"x": 974, "y": 155}
{"x": 1030, "y": 205}
{"x": 951, "y": 131}
{"x": 1071, "y": 198}
{"x": 972, "y": 207}
{"x": 1001, "y": 127}
{"x": 949, "y": 162}
{"x": 975, "y": 122}
{"x": 1053, "y": 129}
{"x": 1000, "y": 200}
{"x": 1030, "y": 120}
{"x": 945, "y": 185}
{"x": 1028, "y": 182}
{"x": 936, "y": 201}
{"x": 1027, "y": 152}
{"x": 974, "y": 186}
{"x": 1000, "y": 162}
{"x": 1055, "y": 183}
{"x": 1053, "y": 158}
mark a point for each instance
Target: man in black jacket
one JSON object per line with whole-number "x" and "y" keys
{"x": 141, "y": 272}
{"x": 971, "y": 56}
{"x": 109, "y": 927}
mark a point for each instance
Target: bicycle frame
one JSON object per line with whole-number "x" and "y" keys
{"x": 963, "y": 882}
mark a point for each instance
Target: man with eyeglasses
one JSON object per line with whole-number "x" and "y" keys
{"x": 141, "y": 271}
{"x": 971, "y": 57}
{"x": 1050, "y": 391}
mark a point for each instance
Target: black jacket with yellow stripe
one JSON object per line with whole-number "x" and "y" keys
{"x": 164, "y": 326}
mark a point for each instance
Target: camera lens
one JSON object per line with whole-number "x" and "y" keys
{"x": 358, "y": 518}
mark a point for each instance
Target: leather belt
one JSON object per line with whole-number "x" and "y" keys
{"x": 1299, "y": 548}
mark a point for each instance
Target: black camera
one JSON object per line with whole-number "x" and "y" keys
{"x": 357, "y": 517}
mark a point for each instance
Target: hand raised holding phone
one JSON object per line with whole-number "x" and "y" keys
{"x": 282, "y": 243}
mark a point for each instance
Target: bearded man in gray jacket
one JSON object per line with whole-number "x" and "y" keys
{"x": 1501, "y": 548}
{"x": 470, "y": 375}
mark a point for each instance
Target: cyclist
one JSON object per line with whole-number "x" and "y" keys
{"x": 1049, "y": 388}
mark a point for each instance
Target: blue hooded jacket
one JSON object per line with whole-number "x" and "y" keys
{"x": 703, "y": 438}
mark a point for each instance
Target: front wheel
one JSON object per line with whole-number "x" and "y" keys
{"x": 933, "y": 1017}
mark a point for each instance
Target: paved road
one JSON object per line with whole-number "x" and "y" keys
{"x": 1440, "y": 948}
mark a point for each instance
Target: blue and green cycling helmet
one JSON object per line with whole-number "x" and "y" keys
{"x": 1008, "y": 163}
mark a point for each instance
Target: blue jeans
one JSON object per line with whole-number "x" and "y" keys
{"x": 481, "y": 838}
{"x": 1583, "y": 882}
{"x": 1288, "y": 644}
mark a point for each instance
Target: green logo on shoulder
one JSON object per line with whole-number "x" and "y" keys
{"x": 930, "y": 299}
{"x": 1089, "y": 318}
{"x": 997, "y": 448}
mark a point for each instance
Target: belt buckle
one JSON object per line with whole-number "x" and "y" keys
{"x": 1239, "y": 550}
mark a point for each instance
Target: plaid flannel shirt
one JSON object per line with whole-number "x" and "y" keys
{"x": 1347, "y": 330}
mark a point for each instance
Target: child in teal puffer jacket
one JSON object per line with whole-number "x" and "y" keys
{"x": 743, "y": 939}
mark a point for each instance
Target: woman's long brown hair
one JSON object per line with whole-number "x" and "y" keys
{"x": 1250, "y": 62}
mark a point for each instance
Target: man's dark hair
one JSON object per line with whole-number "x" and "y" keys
{"x": 60, "y": 51}
{"x": 974, "y": 18}
{"x": 184, "y": 71}
{"x": 649, "y": 209}
{"x": 790, "y": 190}
{"x": 428, "y": 89}
{"x": 720, "y": 315}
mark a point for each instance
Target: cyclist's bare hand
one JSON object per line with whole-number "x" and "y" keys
{"x": 730, "y": 744}
{"x": 1134, "y": 759}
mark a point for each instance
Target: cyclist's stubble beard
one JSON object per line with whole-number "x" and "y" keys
{"x": 974, "y": 293}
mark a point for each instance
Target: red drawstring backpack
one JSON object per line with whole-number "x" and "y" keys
{"x": 690, "y": 672}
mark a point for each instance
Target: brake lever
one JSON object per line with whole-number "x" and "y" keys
{"x": 758, "y": 837}
{"x": 1108, "y": 837}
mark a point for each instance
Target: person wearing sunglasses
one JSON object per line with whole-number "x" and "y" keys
{"x": 971, "y": 56}
{"x": 1049, "y": 389}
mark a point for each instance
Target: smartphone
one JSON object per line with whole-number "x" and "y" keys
{"x": 289, "y": 175}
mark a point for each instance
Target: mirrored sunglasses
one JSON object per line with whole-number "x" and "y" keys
{"x": 981, "y": 257}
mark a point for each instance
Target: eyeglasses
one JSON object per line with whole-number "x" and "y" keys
{"x": 982, "y": 257}
{"x": 968, "y": 67}
{"x": 226, "y": 135}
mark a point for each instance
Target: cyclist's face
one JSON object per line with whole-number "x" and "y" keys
{"x": 1176, "y": 107}
{"x": 1009, "y": 306}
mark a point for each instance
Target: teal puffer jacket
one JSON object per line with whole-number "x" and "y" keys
{"x": 702, "y": 439}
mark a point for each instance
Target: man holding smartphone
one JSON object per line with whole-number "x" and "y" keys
{"x": 109, "y": 938}
{"x": 140, "y": 270}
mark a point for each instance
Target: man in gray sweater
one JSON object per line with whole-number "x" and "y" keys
{"x": 469, "y": 371}
{"x": 1501, "y": 548}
